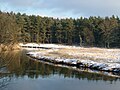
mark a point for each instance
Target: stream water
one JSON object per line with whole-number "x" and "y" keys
{"x": 19, "y": 72}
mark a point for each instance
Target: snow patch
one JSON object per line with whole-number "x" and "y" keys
{"x": 113, "y": 67}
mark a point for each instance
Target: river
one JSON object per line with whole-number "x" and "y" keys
{"x": 23, "y": 73}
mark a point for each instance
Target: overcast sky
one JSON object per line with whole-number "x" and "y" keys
{"x": 63, "y": 8}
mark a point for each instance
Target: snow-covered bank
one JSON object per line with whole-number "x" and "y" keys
{"x": 46, "y": 46}
{"x": 94, "y": 58}
{"x": 109, "y": 67}
{"x": 95, "y": 54}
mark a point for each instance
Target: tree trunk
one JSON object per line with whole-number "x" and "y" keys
{"x": 80, "y": 40}
{"x": 108, "y": 45}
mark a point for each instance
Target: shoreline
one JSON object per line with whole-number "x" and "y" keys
{"x": 98, "y": 59}
{"x": 78, "y": 63}
{"x": 81, "y": 69}
{"x": 103, "y": 60}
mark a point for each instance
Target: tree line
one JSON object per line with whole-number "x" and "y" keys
{"x": 92, "y": 31}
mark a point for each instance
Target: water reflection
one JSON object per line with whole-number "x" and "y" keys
{"x": 19, "y": 65}
{"x": 4, "y": 80}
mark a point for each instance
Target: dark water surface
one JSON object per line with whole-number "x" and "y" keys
{"x": 19, "y": 72}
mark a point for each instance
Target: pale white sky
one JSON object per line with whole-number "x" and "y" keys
{"x": 63, "y": 8}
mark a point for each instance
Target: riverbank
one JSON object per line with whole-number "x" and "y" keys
{"x": 94, "y": 58}
{"x": 75, "y": 52}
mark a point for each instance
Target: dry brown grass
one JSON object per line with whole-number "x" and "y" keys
{"x": 9, "y": 47}
{"x": 98, "y": 54}
{"x": 60, "y": 54}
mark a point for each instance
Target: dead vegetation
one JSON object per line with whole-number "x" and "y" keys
{"x": 9, "y": 47}
{"x": 76, "y": 52}
{"x": 97, "y": 54}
